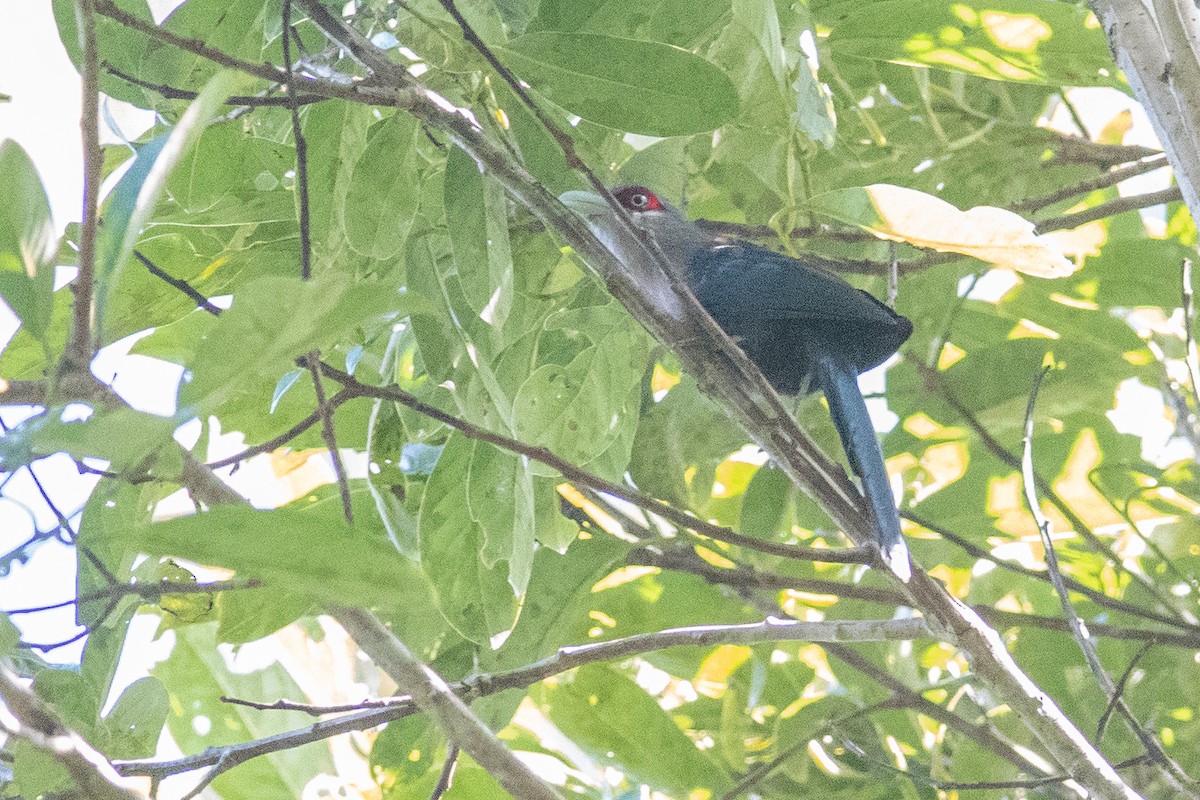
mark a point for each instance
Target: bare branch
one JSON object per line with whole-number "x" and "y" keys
{"x": 37, "y": 724}
{"x": 301, "y": 148}
{"x": 79, "y": 348}
{"x": 201, "y": 301}
{"x": 108, "y": 8}
{"x": 1103, "y": 181}
{"x": 431, "y": 694}
{"x": 1110, "y": 209}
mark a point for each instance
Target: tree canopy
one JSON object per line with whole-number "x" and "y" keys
{"x": 509, "y": 529}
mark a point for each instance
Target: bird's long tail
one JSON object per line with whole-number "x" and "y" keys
{"x": 839, "y": 382}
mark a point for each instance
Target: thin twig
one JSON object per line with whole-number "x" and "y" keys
{"x": 315, "y": 710}
{"x": 937, "y": 383}
{"x": 243, "y": 100}
{"x": 1110, "y": 209}
{"x": 1122, "y": 682}
{"x": 1095, "y": 595}
{"x": 1189, "y": 320}
{"x": 1103, "y": 181}
{"x": 108, "y": 8}
{"x": 201, "y": 301}
{"x": 313, "y": 363}
{"x": 1170, "y": 772}
{"x": 301, "y": 146}
{"x": 150, "y": 592}
{"x": 446, "y": 778}
{"x": 1078, "y": 628}
{"x": 285, "y": 437}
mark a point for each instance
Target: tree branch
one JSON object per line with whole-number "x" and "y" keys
{"x": 433, "y": 696}
{"x": 79, "y": 353}
{"x": 37, "y": 724}
{"x": 584, "y": 478}
{"x": 1171, "y": 194}
{"x": 1156, "y": 51}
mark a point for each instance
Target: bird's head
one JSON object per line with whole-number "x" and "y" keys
{"x": 675, "y": 236}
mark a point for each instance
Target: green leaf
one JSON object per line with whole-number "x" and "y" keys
{"x": 247, "y": 345}
{"x": 387, "y": 479}
{"x": 616, "y": 722}
{"x": 678, "y": 22}
{"x": 282, "y": 548}
{"x": 476, "y": 598}
{"x": 500, "y": 497}
{"x": 641, "y": 87}
{"x": 477, "y": 219}
{"x": 381, "y": 200}
{"x": 1004, "y": 40}
{"x": 578, "y": 410}
{"x": 132, "y": 728}
{"x": 26, "y": 241}
{"x": 132, "y": 202}
{"x": 122, "y": 436}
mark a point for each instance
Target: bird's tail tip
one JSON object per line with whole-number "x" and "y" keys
{"x": 895, "y": 556}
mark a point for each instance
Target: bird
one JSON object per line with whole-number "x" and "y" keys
{"x": 806, "y": 329}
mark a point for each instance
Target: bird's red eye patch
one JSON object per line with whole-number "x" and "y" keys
{"x": 638, "y": 198}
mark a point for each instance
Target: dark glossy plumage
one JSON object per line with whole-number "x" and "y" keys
{"x": 785, "y": 313}
{"x": 806, "y": 329}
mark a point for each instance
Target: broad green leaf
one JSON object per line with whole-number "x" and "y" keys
{"x": 579, "y": 409}
{"x": 677, "y": 22}
{"x": 282, "y": 549}
{"x": 197, "y": 676}
{"x": 247, "y": 344}
{"x": 132, "y": 728}
{"x": 121, "y": 49}
{"x": 500, "y": 498}
{"x": 336, "y": 134}
{"x": 387, "y": 478}
{"x": 26, "y": 241}
{"x": 640, "y": 87}
{"x": 990, "y": 234}
{"x": 477, "y": 219}
{"x": 1006, "y": 40}
{"x": 477, "y": 599}
{"x": 132, "y": 202}
{"x": 234, "y": 27}
{"x": 617, "y": 723}
{"x": 122, "y": 436}
{"x": 381, "y": 199}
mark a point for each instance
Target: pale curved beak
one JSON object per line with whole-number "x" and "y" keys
{"x": 586, "y": 204}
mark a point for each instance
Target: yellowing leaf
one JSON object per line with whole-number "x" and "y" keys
{"x": 989, "y": 234}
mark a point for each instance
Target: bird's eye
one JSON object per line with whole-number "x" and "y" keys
{"x": 638, "y": 198}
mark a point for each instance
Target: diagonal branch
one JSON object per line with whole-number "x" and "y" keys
{"x": 27, "y": 717}
{"x": 79, "y": 349}
{"x": 1171, "y": 773}
{"x": 432, "y": 695}
{"x": 584, "y": 478}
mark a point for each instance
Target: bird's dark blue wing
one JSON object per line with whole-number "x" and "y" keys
{"x": 785, "y": 312}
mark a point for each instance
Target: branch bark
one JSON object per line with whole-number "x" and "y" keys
{"x": 1155, "y": 44}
